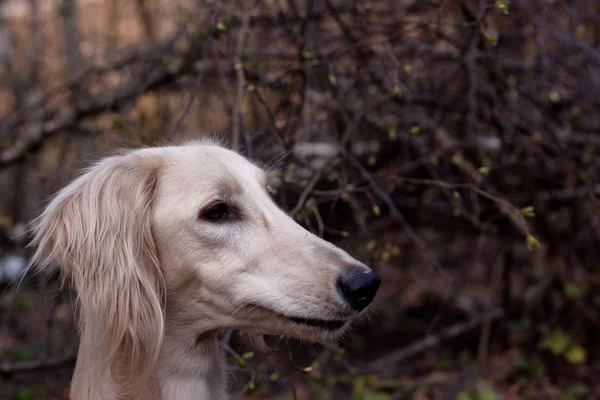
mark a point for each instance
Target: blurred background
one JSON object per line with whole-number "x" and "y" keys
{"x": 452, "y": 145}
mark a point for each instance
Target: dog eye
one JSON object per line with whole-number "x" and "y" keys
{"x": 216, "y": 212}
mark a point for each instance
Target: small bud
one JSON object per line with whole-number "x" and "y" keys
{"x": 528, "y": 211}
{"x": 484, "y": 171}
{"x": 377, "y": 211}
{"x": 371, "y": 245}
{"x": 531, "y": 242}
{"x": 502, "y": 6}
{"x": 309, "y": 204}
{"x": 492, "y": 39}
{"x": 385, "y": 256}
{"x": 580, "y": 31}
{"x": 274, "y": 377}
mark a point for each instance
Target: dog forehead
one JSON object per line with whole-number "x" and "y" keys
{"x": 205, "y": 167}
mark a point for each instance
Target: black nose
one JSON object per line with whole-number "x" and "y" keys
{"x": 358, "y": 287}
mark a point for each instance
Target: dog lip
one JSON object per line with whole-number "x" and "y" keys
{"x": 329, "y": 325}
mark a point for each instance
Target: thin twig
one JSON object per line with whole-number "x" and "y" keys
{"x": 431, "y": 341}
{"x": 26, "y": 366}
{"x": 241, "y": 80}
{"x": 486, "y": 330}
{"x": 307, "y": 191}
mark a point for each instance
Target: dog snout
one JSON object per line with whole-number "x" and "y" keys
{"x": 358, "y": 287}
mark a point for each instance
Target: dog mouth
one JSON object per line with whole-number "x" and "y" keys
{"x": 328, "y": 325}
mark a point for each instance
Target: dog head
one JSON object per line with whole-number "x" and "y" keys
{"x": 189, "y": 237}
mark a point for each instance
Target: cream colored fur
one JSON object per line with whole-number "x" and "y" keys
{"x": 157, "y": 283}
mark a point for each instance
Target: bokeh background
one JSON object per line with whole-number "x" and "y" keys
{"x": 452, "y": 145}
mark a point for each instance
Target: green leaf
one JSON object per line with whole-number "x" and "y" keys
{"x": 464, "y": 395}
{"x": 576, "y": 355}
{"x": 332, "y": 80}
{"x": 307, "y": 55}
{"x": 492, "y": 39}
{"x": 358, "y": 387}
{"x": 377, "y": 211}
{"x": 414, "y": 130}
{"x": 445, "y": 361}
{"x": 369, "y": 395}
{"x": 503, "y": 6}
{"x": 576, "y": 390}
{"x": 531, "y": 242}
{"x": 580, "y": 31}
{"x": 26, "y": 393}
{"x": 556, "y": 343}
{"x": 6, "y": 221}
{"x": 486, "y": 393}
{"x": 573, "y": 289}
{"x": 484, "y": 170}
{"x": 274, "y": 377}
{"x": 528, "y": 211}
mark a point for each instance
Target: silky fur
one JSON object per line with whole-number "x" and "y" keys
{"x": 157, "y": 283}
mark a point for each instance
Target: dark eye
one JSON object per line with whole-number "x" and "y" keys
{"x": 216, "y": 212}
{"x": 271, "y": 191}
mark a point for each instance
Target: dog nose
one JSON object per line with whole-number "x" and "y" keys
{"x": 358, "y": 287}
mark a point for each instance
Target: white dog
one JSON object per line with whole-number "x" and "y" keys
{"x": 168, "y": 246}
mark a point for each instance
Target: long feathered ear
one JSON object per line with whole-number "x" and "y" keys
{"x": 98, "y": 232}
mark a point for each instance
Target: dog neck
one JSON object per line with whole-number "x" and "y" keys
{"x": 192, "y": 369}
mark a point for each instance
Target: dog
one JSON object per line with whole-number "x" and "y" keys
{"x": 168, "y": 246}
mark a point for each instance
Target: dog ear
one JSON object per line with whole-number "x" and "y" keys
{"x": 97, "y": 230}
